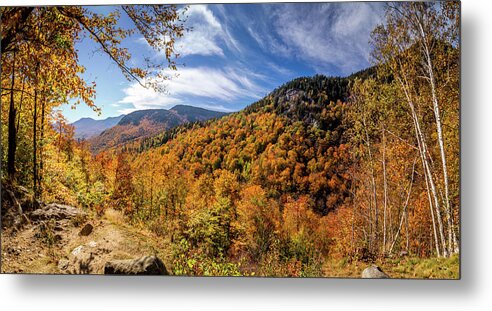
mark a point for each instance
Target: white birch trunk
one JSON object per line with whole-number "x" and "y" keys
{"x": 385, "y": 189}
{"x": 435, "y": 104}
{"x": 429, "y": 179}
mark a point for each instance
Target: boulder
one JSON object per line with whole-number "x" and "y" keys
{"x": 374, "y": 272}
{"x": 86, "y": 230}
{"x": 80, "y": 260}
{"x": 88, "y": 258}
{"x": 147, "y": 265}
{"x": 56, "y": 211}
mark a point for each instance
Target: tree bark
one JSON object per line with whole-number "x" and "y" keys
{"x": 427, "y": 172}
{"x": 12, "y": 132}
{"x": 374, "y": 236}
{"x": 385, "y": 189}
{"x": 405, "y": 209}
{"x": 440, "y": 138}
{"x": 34, "y": 137}
{"x": 41, "y": 147}
{"x": 20, "y": 108}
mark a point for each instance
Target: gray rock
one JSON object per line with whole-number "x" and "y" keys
{"x": 374, "y": 272}
{"x": 147, "y": 265}
{"x": 86, "y": 230}
{"x": 88, "y": 258}
{"x": 81, "y": 259}
{"x": 56, "y": 211}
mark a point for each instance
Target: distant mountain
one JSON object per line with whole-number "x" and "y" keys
{"x": 86, "y": 128}
{"x": 157, "y": 116}
{"x": 144, "y": 123}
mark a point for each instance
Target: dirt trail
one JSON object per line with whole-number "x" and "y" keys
{"x": 61, "y": 249}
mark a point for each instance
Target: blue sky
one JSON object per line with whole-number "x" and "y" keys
{"x": 236, "y": 54}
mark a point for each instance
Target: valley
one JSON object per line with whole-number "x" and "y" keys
{"x": 137, "y": 125}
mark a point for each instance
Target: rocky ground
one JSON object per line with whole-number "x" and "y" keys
{"x": 63, "y": 239}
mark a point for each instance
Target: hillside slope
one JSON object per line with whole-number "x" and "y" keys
{"x": 144, "y": 123}
{"x": 292, "y": 142}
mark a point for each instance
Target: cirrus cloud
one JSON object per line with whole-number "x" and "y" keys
{"x": 201, "y": 86}
{"x": 206, "y": 35}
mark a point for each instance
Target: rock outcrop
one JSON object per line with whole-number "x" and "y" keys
{"x": 147, "y": 265}
{"x": 56, "y": 211}
{"x": 374, "y": 272}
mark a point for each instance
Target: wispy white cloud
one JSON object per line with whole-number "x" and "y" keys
{"x": 203, "y": 84}
{"x": 261, "y": 32}
{"x": 215, "y": 107}
{"x": 257, "y": 37}
{"x": 224, "y": 84}
{"x": 333, "y": 34}
{"x": 204, "y": 33}
{"x": 139, "y": 98}
{"x": 279, "y": 69}
{"x": 207, "y": 34}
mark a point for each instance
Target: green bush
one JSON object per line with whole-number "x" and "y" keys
{"x": 194, "y": 262}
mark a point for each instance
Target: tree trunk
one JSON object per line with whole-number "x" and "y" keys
{"x": 427, "y": 172}
{"x": 20, "y": 108}
{"x": 419, "y": 21}
{"x": 405, "y": 209}
{"x": 385, "y": 188}
{"x": 12, "y": 133}
{"x": 34, "y": 137}
{"x": 41, "y": 148}
{"x": 374, "y": 236}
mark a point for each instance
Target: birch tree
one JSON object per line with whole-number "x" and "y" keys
{"x": 412, "y": 46}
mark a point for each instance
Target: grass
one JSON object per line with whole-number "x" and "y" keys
{"x": 407, "y": 267}
{"x": 429, "y": 268}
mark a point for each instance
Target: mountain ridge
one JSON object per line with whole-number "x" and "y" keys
{"x": 148, "y": 122}
{"x": 87, "y": 127}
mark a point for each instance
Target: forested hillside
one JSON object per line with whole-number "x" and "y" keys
{"x": 323, "y": 176}
{"x": 145, "y": 123}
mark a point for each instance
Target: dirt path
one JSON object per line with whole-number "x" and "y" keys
{"x": 57, "y": 246}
